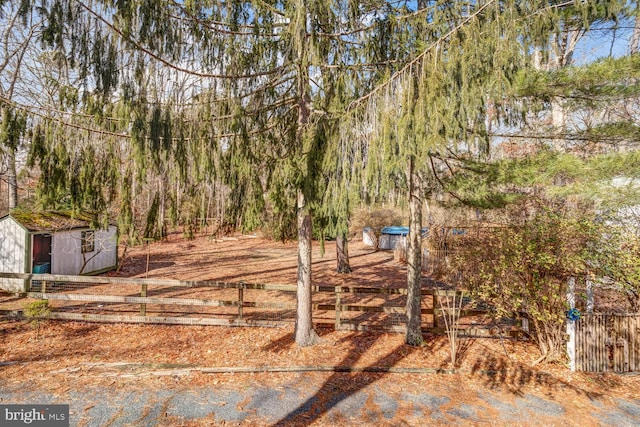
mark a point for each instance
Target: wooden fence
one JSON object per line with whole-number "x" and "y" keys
{"x": 164, "y": 301}
{"x": 608, "y": 343}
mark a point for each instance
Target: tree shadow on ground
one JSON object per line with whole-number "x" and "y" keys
{"x": 43, "y": 349}
{"x": 463, "y": 345}
{"x": 435, "y": 344}
{"x": 281, "y": 344}
{"x": 497, "y": 372}
{"x": 343, "y": 384}
{"x": 292, "y": 267}
{"x": 287, "y": 341}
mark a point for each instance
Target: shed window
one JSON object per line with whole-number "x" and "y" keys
{"x": 88, "y": 241}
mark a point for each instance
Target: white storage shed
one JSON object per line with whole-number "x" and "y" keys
{"x": 56, "y": 243}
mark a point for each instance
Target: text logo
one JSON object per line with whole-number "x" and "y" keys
{"x": 34, "y": 415}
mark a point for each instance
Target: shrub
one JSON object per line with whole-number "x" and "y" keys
{"x": 622, "y": 263}
{"x": 36, "y": 313}
{"x": 525, "y": 269}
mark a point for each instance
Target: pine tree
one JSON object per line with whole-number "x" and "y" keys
{"x": 173, "y": 102}
{"x": 245, "y": 108}
{"x": 439, "y": 104}
{"x": 554, "y": 38}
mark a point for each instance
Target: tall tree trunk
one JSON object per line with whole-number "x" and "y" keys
{"x": 163, "y": 197}
{"x": 12, "y": 175}
{"x": 342, "y": 244}
{"x": 12, "y": 180}
{"x": 10, "y": 150}
{"x": 414, "y": 258}
{"x": 342, "y": 253}
{"x": 305, "y": 335}
{"x": 558, "y": 111}
{"x": 563, "y": 48}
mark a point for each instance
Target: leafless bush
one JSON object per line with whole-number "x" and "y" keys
{"x": 376, "y": 219}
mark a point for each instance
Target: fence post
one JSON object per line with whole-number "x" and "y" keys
{"x": 143, "y": 290}
{"x": 241, "y": 287}
{"x": 143, "y": 294}
{"x": 338, "y": 292}
{"x": 434, "y": 298}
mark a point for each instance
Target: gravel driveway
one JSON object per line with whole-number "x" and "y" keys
{"x": 308, "y": 398}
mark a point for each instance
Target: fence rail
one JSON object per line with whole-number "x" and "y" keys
{"x": 168, "y": 301}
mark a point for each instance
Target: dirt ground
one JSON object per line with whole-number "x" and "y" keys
{"x": 255, "y": 259}
{"x": 72, "y": 355}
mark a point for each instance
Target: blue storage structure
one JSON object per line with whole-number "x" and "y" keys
{"x": 42, "y": 268}
{"x": 396, "y": 230}
{"x": 391, "y": 235}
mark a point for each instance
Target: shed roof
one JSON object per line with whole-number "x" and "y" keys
{"x": 49, "y": 220}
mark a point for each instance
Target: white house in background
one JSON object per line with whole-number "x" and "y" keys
{"x": 56, "y": 243}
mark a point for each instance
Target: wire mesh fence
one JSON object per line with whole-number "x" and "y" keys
{"x": 234, "y": 303}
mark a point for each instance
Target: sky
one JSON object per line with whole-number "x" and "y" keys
{"x": 598, "y": 43}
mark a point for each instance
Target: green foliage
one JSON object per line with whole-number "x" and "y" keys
{"x": 282, "y": 197}
{"x": 620, "y": 257}
{"x": 126, "y": 220}
{"x": 612, "y": 131}
{"x": 245, "y": 114}
{"x": 524, "y": 269}
{"x": 607, "y": 78}
{"x": 605, "y": 180}
{"x": 12, "y": 128}
{"x": 154, "y": 229}
{"x": 37, "y": 310}
{"x": 82, "y": 180}
{"x": 627, "y": 269}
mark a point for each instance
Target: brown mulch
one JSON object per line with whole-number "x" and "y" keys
{"x": 121, "y": 355}
{"x": 84, "y": 356}
{"x": 255, "y": 259}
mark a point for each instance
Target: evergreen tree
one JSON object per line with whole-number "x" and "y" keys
{"x": 245, "y": 107}
{"x": 163, "y": 104}
{"x": 437, "y": 102}
{"x": 445, "y": 101}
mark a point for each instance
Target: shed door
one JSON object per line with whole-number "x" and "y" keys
{"x": 41, "y": 253}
